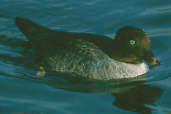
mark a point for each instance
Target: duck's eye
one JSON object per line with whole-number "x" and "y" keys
{"x": 132, "y": 42}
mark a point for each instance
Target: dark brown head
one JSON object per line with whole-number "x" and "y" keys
{"x": 134, "y": 46}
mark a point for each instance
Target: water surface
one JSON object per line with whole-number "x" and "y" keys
{"x": 22, "y": 91}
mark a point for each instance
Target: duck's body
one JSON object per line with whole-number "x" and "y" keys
{"x": 86, "y": 55}
{"x": 85, "y": 59}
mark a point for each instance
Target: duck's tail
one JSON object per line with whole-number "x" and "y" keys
{"x": 33, "y": 32}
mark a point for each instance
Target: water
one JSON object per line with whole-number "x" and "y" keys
{"x": 23, "y": 92}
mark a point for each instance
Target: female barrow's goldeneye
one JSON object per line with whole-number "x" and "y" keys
{"x": 88, "y": 55}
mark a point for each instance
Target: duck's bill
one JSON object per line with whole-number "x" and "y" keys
{"x": 151, "y": 59}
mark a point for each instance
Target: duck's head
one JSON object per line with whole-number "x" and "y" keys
{"x": 134, "y": 46}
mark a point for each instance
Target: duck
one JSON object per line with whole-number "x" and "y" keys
{"x": 87, "y": 55}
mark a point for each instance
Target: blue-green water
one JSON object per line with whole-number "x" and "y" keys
{"x": 23, "y": 92}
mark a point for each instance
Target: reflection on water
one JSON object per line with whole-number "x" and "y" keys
{"x": 137, "y": 99}
{"x": 129, "y": 95}
{"x": 159, "y": 32}
{"x": 164, "y": 10}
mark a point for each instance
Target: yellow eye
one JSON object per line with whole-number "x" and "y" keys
{"x": 132, "y": 42}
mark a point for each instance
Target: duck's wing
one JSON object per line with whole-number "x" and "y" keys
{"x": 76, "y": 54}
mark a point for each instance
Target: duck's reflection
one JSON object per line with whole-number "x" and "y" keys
{"x": 132, "y": 96}
{"x": 136, "y": 99}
